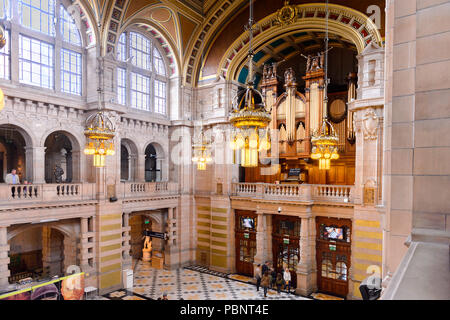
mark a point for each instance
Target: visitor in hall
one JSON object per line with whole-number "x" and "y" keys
{"x": 287, "y": 279}
{"x": 265, "y": 267}
{"x": 258, "y": 276}
{"x": 273, "y": 277}
{"x": 279, "y": 282}
{"x": 265, "y": 281}
{"x": 12, "y": 178}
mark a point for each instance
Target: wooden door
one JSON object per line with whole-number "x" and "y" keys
{"x": 245, "y": 237}
{"x": 333, "y": 253}
{"x": 286, "y": 245}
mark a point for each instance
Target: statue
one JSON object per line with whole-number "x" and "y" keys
{"x": 317, "y": 62}
{"x": 289, "y": 77}
{"x": 58, "y": 173}
{"x": 146, "y": 251}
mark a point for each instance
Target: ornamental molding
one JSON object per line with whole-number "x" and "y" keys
{"x": 370, "y": 125}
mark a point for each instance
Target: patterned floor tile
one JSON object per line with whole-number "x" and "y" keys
{"x": 193, "y": 283}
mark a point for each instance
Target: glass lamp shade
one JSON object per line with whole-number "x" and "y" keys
{"x": 265, "y": 143}
{"x": 240, "y": 141}
{"x": 201, "y": 166}
{"x": 89, "y": 149}
{"x": 99, "y": 160}
{"x": 110, "y": 151}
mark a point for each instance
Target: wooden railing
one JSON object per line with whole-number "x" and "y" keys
{"x": 299, "y": 192}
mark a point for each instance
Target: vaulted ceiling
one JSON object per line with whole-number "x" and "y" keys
{"x": 191, "y": 30}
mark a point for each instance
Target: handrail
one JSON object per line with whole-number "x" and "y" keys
{"x": 300, "y": 192}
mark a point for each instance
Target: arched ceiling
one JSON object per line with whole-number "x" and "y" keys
{"x": 197, "y": 26}
{"x": 289, "y": 46}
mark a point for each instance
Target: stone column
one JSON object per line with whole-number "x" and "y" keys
{"x": 140, "y": 177}
{"x": 4, "y": 259}
{"x": 51, "y": 254}
{"x": 261, "y": 255}
{"x": 127, "y": 260}
{"x": 306, "y": 271}
{"x": 35, "y": 164}
{"x": 77, "y": 167}
{"x": 84, "y": 264}
{"x": 70, "y": 252}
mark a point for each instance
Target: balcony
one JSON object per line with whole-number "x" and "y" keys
{"x": 20, "y": 196}
{"x": 300, "y": 192}
{"x": 136, "y": 190}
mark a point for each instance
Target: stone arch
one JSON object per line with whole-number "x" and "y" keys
{"x": 346, "y": 22}
{"x": 89, "y": 19}
{"x": 131, "y": 163}
{"x": 156, "y": 166}
{"x": 18, "y": 143}
{"x": 73, "y": 158}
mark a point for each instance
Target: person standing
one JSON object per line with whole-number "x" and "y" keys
{"x": 12, "y": 178}
{"x": 287, "y": 279}
{"x": 273, "y": 277}
{"x": 258, "y": 276}
{"x": 265, "y": 267}
{"x": 265, "y": 281}
{"x": 279, "y": 282}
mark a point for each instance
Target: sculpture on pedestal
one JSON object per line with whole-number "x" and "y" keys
{"x": 146, "y": 251}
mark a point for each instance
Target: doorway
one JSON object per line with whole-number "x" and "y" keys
{"x": 286, "y": 245}
{"x": 245, "y": 236}
{"x": 333, "y": 252}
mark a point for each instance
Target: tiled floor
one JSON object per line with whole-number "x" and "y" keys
{"x": 187, "y": 284}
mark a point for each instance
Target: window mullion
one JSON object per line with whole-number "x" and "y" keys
{"x": 14, "y": 50}
{"x": 57, "y": 51}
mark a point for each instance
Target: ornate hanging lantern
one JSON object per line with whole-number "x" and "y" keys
{"x": 99, "y": 132}
{"x": 325, "y": 140}
{"x": 202, "y": 152}
{"x": 249, "y": 115}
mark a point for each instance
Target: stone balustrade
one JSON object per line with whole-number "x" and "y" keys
{"x": 16, "y": 194}
{"x": 145, "y": 189}
{"x": 298, "y": 192}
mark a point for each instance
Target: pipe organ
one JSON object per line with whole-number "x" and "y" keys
{"x": 296, "y": 116}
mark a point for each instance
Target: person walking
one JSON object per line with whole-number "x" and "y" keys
{"x": 265, "y": 281}
{"x": 287, "y": 280}
{"x": 279, "y": 282}
{"x": 258, "y": 276}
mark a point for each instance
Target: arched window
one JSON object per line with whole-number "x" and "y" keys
{"x": 141, "y": 73}
{"x": 49, "y": 42}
